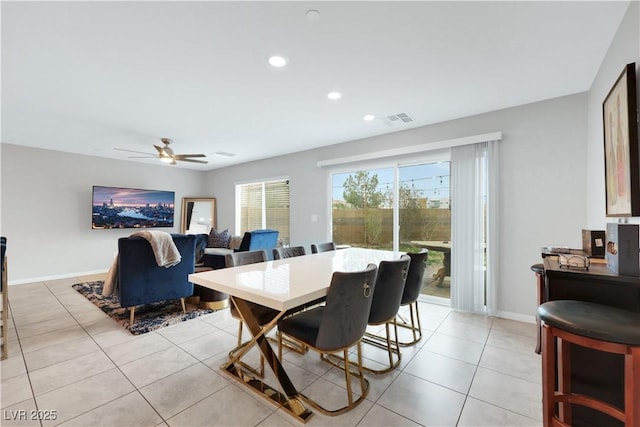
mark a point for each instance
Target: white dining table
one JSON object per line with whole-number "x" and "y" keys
{"x": 281, "y": 285}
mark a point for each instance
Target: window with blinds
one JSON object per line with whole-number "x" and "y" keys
{"x": 264, "y": 205}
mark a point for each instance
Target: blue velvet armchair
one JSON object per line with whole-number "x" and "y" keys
{"x": 141, "y": 281}
{"x": 259, "y": 239}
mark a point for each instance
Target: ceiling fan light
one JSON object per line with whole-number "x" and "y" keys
{"x": 166, "y": 159}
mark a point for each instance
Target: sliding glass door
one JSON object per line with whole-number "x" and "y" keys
{"x": 362, "y": 208}
{"x": 402, "y": 207}
{"x": 424, "y": 214}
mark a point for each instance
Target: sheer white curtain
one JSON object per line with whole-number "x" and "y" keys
{"x": 474, "y": 230}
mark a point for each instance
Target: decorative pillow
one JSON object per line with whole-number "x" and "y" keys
{"x": 235, "y": 241}
{"x": 219, "y": 240}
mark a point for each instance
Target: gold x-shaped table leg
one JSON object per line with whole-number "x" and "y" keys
{"x": 290, "y": 400}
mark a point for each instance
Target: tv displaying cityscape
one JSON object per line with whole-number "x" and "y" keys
{"x": 115, "y": 207}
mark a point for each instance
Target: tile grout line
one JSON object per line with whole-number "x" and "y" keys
{"x": 116, "y": 366}
{"x": 277, "y": 408}
{"x": 475, "y": 371}
{"x": 26, "y": 367}
{"x": 136, "y": 389}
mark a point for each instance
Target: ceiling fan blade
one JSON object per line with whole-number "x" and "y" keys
{"x": 192, "y": 161}
{"x": 161, "y": 151}
{"x": 184, "y": 156}
{"x": 131, "y": 151}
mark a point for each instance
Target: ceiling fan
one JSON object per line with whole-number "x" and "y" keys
{"x": 166, "y": 154}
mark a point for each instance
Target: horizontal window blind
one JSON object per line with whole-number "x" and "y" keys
{"x": 250, "y": 207}
{"x": 265, "y": 205}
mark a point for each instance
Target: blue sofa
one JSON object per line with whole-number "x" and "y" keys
{"x": 141, "y": 281}
{"x": 251, "y": 241}
{"x": 215, "y": 259}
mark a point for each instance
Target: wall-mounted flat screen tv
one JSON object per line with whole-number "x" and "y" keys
{"x": 115, "y": 207}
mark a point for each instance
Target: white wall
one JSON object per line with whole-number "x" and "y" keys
{"x": 543, "y": 169}
{"x": 46, "y": 200}
{"x": 624, "y": 49}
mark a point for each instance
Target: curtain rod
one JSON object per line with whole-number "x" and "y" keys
{"x": 412, "y": 149}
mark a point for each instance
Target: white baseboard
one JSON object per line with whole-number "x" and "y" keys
{"x": 516, "y": 316}
{"x": 502, "y": 314}
{"x": 54, "y": 277}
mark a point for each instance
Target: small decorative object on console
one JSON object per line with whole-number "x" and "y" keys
{"x": 622, "y": 253}
{"x": 573, "y": 261}
{"x": 593, "y": 243}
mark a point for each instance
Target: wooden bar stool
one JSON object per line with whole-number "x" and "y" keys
{"x": 593, "y": 326}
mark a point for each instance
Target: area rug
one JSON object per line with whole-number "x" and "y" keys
{"x": 149, "y": 317}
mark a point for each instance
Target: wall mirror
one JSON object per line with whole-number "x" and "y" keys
{"x": 198, "y": 215}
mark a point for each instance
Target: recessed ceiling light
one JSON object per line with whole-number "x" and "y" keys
{"x": 369, "y": 117}
{"x": 312, "y": 15}
{"x": 334, "y": 95}
{"x": 277, "y": 61}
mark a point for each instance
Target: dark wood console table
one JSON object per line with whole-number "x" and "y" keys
{"x": 594, "y": 373}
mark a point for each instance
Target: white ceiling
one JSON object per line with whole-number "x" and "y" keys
{"x": 86, "y": 77}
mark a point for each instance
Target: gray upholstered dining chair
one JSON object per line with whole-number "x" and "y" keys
{"x": 337, "y": 326}
{"x": 323, "y": 247}
{"x": 412, "y": 288}
{"x": 291, "y": 251}
{"x": 390, "y": 282}
{"x": 263, "y": 314}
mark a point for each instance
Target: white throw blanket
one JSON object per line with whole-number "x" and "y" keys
{"x": 164, "y": 250}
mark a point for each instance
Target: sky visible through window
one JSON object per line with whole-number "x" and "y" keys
{"x": 432, "y": 179}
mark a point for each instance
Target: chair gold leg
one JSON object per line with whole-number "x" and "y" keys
{"x": 414, "y": 325}
{"x": 383, "y": 342}
{"x": 347, "y": 376}
{"x": 132, "y": 311}
{"x": 357, "y": 372}
{"x": 258, "y": 372}
{"x": 291, "y": 345}
{"x": 5, "y": 310}
{"x": 184, "y": 308}
{"x": 5, "y": 330}
{"x": 363, "y": 387}
{"x": 389, "y": 352}
{"x": 419, "y": 330}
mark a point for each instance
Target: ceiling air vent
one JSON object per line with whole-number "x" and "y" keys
{"x": 397, "y": 119}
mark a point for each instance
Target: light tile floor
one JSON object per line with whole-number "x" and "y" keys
{"x": 67, "y": 357}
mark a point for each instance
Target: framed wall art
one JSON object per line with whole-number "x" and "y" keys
{"x": 116, "y": 207}
{"x": 621, "y": 155}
